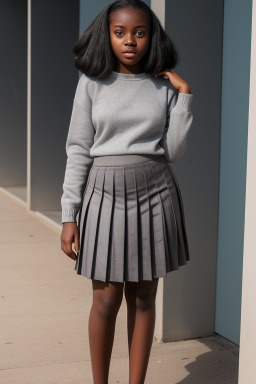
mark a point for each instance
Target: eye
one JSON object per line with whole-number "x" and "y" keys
{"x": 142, "y": 33}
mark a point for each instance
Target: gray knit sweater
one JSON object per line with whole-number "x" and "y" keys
{"x": 121, "y": 114}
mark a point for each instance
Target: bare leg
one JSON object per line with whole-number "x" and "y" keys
{"x": 107, "y": 298}
{"x": 140, "y": 298}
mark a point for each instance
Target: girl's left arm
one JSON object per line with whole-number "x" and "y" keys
{"x": 178, "y": 124}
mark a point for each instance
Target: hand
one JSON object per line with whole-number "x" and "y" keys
{"x": 70, "y": 235}
{"x": 176, "y": 81}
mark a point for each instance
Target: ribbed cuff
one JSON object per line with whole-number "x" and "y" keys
{"x": 69, "y": 215}
{"x": 184, "y": 102}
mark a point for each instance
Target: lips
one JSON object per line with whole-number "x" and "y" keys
{"x": 129, "y": 54}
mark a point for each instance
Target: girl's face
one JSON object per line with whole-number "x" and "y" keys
{"x": 129, "y": 29}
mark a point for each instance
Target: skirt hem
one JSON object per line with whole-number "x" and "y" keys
{"x": 135, "y": 281}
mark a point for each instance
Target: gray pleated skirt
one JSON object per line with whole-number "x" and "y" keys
{"x": 131, "y": 222}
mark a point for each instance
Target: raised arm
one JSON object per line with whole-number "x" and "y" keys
{"x": 178, "y": 123}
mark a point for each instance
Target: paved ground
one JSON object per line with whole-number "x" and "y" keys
{"x": 44, "y": 314}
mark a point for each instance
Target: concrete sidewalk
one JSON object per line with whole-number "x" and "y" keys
{"x": 45, "y": 307}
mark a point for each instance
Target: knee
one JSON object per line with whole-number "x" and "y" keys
{"x": 145, "y": 301}
{"x": 142, "y": 300}
{"x": 107, "y": 306}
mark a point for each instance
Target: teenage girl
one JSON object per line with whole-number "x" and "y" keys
{"x": 128, "y": 125}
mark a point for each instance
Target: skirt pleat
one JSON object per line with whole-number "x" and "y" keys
{"x": 116, "y": 251}
{"x": 82, "y": 217}
{"x": 168, "y": 219}
{"x": 132, "y": 266}
{"x": 101, "y": 269}
{"x": 91, "y": 234}
{"x": 144, "y": 224}
{"x": 183, "y": 254}
{"x": 131, "y": 222}
{"x": 181, "y": 208}
{"x": 156, "y": 227}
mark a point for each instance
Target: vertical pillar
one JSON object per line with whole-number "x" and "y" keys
{"x": 52, "y": 79}
{"x": 187, "y": 296}
{"x": 158, "y": 7}
{"x": 247, "y": 372}
{"x": 13, "y": 64}
{"x": 234, "y": 131}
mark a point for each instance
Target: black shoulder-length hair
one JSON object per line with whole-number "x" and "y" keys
{"x": 94, "y": 55}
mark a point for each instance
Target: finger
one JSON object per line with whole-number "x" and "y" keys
{"x": 69, "y": 252}
{"x": 63, "y": 246}
{"x": 161, "y": 73}
{"x": 77, "y": 241}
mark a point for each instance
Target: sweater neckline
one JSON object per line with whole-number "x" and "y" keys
{"x": 129, "y": 76}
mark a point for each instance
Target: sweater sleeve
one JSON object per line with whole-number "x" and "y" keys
{"x": 178, "y": 123}
{"x": 79, "y": 141}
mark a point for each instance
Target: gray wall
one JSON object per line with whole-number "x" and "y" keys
{"x": 234, "y": 130}
{"x": 189, "y": 293}
{"x": 55, "y": 28}
{"x": 13, "y": 93}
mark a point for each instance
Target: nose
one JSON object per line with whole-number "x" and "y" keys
{"x": 130, "y": 40}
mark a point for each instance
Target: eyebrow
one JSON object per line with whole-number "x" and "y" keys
{"x": 138, "y": 26}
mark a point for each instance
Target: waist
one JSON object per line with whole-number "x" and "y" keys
{"x": 127, "y": 159}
